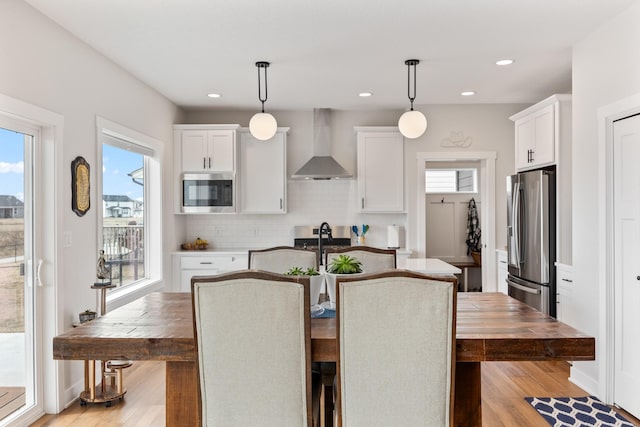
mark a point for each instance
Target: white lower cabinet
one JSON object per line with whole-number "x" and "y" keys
{"x": 190, "y": 265}
{"x": 564, "y": 291}
{"x": 502, "y": 271}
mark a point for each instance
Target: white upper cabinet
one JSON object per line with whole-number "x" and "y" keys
{"x": 538, "y": 133}
{"x": 380, "y": 169}
{"x": 262, "y": 173}
{"x": 209, "y": 148}
{"x": 535, "y": 142}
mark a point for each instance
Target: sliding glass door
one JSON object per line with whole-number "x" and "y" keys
{"x": 18, "y": 271}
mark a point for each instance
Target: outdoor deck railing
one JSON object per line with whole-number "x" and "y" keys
{"x": 124, "y": 251}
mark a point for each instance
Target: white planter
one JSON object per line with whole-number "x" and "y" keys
{"x": 331, "y": 284}
{"x": 316, "y": 288}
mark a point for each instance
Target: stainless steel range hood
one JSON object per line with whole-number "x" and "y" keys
{"x": 321, "y": 165}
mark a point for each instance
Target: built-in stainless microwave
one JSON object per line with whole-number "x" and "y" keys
{"x": 208, "y": 192}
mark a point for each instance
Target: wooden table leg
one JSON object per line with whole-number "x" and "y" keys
{"x": 327, "y": 375}
{"x": 183, "y": 396}
{"x": 468, "y": 398}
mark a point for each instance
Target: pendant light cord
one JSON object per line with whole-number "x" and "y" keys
{"x": 410, "y": 63}
{"x": 262, "y": 64}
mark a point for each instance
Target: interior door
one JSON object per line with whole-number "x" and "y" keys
{"x": 626, "y": 151}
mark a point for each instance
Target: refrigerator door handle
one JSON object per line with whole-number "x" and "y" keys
{"x": 525, "y": 288}
{"x": 522, "y": 219}
{"x": 515, "y": 220}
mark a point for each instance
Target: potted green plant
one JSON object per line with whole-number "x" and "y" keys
{"x": 341, "y": 265}
{"x": 314, "y": 277}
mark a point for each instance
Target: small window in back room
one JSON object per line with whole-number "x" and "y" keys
{"x": 451, "y": 181}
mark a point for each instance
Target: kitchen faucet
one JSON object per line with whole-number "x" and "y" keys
{"x": 324, "y": 226}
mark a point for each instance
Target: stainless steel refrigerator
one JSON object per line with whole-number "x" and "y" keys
{"x": 531, "y": 238}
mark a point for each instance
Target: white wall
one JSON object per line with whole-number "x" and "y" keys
{"x": 606, "y": 68}
{"x": 335, "y": 201}
{"x": 489, "y": 128}
{"x": 46, "y": 66}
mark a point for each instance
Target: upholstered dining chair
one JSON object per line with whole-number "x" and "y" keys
{"x": 396, "y": 350}
{"x": 280, "y": 259}
{"x": 374, "y": 260}
{"x": 253, "y": 342}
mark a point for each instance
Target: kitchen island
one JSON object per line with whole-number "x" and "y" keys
{"x": 430, "y": 266}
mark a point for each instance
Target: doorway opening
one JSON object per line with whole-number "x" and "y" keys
{"x": 484, "y": 163}
{"x": 452, "y": 201}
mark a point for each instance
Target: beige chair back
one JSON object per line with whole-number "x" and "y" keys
{"x": 253, "y": 341}
{"x": 374, "y": 260}
{"x": 396, "y": 350}
{"x": 280, "y": 259}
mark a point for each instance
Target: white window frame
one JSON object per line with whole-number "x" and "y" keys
{"x": 152, "y": 149}
{"x": 476, "y": 172}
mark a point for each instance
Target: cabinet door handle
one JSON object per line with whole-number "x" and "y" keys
{"x": 280, "y": 203}
{"x": 209, "y": 162}
{"x": 205, "y": 262}
{"x": 204, "y": 163}
{"x": 532, "y": 159}
{"x": 567, "y": 280}
{"x": 363, "y": 203}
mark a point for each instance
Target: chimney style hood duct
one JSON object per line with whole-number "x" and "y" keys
{"x": 321, "y": 165}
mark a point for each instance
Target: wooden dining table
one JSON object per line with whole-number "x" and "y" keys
{"x": 159, "y": 326}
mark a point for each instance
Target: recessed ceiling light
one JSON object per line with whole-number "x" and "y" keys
{"x": 504, "y": 62}
{"x": 214, "y": 95}
{"x": 365, "y": 94}
{"x": 468, "y": 93}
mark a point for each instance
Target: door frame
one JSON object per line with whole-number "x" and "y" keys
{"x": 50, "y": 197}
{"x": 605, "y": 345}
{"x": 487, "y": 161}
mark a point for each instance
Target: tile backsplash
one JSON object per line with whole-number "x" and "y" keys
{"x": 309, "y": 203}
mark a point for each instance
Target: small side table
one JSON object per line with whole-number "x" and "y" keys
{"x": 104, "y": 393}
{"x": 102, "y": 287}
{"x": 465, "y": 266}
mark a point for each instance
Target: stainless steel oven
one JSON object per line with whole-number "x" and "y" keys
{"x": 208, "y": 192}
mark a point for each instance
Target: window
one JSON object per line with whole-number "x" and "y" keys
{"x": 130, "y": 208}
{"x": 451, "y": 181}
{"x": 123, "y": 213}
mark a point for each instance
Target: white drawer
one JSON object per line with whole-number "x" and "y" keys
{"x": 204, "y": 262}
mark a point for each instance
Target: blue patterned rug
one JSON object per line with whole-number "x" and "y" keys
{"x": 577, "y": 411}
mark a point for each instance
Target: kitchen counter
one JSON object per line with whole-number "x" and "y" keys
{"x": 187, "y": 264}
{"x": 236, "y": 251}
{"x": 183, "y": 252}
{"x": 432, "y": 266}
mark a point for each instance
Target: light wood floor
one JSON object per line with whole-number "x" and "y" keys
{"x": 504, "y": 387}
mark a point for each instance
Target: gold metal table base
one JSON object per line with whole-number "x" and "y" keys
{"x": 104, "y": 392}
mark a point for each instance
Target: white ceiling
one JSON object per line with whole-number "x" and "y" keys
{"x": 323, "y": 53}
